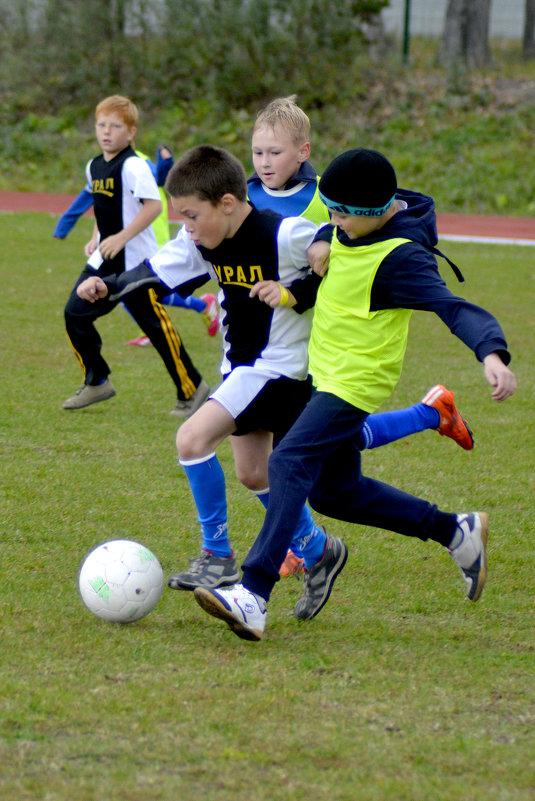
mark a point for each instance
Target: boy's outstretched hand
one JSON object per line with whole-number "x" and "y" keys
{"x": 499, "y": 376}
{"x": 92, "y": 289}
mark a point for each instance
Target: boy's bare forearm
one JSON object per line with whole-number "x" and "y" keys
{"x": 113, "y": 244}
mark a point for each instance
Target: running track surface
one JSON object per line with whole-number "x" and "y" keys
{"x": 461, "y": 227}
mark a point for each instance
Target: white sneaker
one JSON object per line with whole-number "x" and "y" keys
{"x": 471, "y": 553}
{"x": 244, "y": 612}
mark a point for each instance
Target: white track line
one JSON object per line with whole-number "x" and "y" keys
{"x": 487, "y": 240}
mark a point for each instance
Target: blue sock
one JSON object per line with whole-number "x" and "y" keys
{"x": 174, "y": 299}
{"x": 196, "y": 304}
{"x": 311, "y": 540}
{"x": 308, "y": 541}
{"x": 191, "y": 302}
{"x": 384, "y": 427}
{"x": 207, "y": 482}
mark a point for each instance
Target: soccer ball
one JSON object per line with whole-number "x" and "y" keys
{"x": 120, "y": 581}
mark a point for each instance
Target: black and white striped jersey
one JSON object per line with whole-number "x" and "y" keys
{"x": 266, "y": 247}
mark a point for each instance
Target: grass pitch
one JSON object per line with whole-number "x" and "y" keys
{"x": 400, "y": 690}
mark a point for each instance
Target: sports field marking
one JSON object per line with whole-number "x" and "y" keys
{"x": 486, "y": 240}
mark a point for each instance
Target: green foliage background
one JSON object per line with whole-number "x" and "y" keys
{"x": 201, "y": 74}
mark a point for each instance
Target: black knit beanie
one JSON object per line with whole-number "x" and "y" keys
{"x": 360, "y": 182}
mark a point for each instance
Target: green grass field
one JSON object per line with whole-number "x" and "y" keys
{"x": 400, "y": 690}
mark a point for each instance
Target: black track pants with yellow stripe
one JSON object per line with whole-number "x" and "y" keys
{"x": 152, "y": 318}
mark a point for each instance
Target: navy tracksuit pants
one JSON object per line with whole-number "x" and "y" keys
{"x": 319, "y": 460}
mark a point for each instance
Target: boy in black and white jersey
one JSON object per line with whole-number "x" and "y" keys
{"x": 126, "y": 202}
{"x": 265, "y": 363}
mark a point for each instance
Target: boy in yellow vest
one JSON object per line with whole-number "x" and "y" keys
{"x": 381, "y": 267}
{"x": 285, "y": 182}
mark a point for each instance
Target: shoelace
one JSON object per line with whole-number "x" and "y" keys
{"x": 197, "y": 563}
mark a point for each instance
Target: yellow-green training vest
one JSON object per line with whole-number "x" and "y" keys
{"x": 316, "y": 211}
{"x": 160, "y": 225}
{"x": 355, "y": 353}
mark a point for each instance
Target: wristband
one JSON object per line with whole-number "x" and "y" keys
{"x": 285, "y": 297}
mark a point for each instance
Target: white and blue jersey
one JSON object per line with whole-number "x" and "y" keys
{"x": 299, "y": 198}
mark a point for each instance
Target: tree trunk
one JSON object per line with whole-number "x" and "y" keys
{"x": 466, "y": 33}
{"x": 528, "y": 42}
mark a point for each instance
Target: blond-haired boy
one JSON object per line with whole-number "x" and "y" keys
{"x": 284, "y": 180}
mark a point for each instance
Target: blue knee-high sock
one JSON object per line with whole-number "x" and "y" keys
{"x": 384, "y": 427}
{"x": 308, "y": 540}
{"x": 191, "y": 302}
{"x": 207, "y": 482}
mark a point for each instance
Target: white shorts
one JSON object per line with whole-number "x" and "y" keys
{"x": 260, "y": 399}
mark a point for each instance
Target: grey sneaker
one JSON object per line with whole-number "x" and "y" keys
{"x": 319, "y": 580}
{"x": 185, "y": 408}
{"x": 244, "y": 612}
{"x": 89, "y": 394}
{"x": 471, "y": 553}
{"x": 206, "y": 570}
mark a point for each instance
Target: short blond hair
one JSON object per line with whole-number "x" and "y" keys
{"x": 285, "y": 112}
{"x": 120, "y": 105}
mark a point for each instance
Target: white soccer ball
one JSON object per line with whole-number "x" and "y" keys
{"x": 120, "y": 581}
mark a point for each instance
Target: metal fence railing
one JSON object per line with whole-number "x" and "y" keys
{"x": 427, "y": 18}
